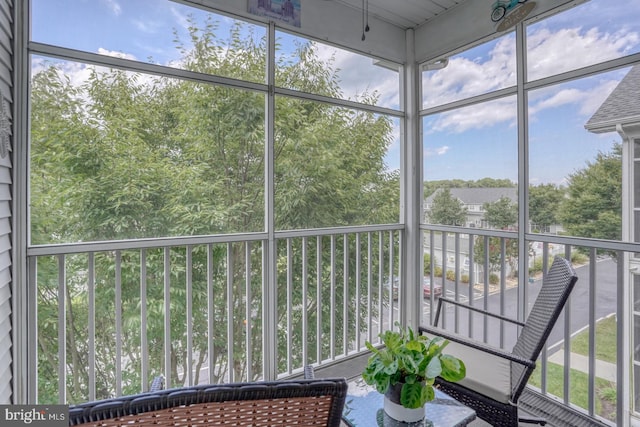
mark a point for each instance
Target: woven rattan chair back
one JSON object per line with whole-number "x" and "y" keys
{"x": 317, "y": 402}
{"x": 554, "y": 293}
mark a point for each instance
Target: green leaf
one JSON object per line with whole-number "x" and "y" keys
{"x": 453, "y": 369}
{"x": 414, "y": 346}
{"x": 434, "y": 368}
{"x": 411, "y": 395}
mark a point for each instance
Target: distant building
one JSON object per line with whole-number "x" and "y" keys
{"x": 473, "y": 199}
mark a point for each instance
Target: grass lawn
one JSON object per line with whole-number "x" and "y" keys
{"x": 606, "y": 342}
{"x": 579, "y": 389}
{"x": 605, "y": 399}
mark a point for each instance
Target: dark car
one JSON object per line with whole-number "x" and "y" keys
{"x": 426, "y": 288}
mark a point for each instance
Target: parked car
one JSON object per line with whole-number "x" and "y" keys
{"x": 426, "y": 288}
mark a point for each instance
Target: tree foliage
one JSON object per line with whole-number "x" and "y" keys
{"x": 125, "y": 155}
{"x": 544, "y": 205}
{"x": 593, "y": 206}
{"x": 430, "y": 187}
{"x": 501, "y": 214}
{"x": 446, "y": 209}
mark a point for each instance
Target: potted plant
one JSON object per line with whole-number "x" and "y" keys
{"x": 404, "y": 370}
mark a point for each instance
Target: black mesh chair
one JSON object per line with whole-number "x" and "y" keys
{"x": 304, "y": 402}
{"x": 496, "y": 378}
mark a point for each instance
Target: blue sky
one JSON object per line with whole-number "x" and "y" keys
{"x": 471, "y": 143}
{"x": 480, "y": 141}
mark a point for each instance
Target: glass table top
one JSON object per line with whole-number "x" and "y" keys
{"x": 363, "y": 408}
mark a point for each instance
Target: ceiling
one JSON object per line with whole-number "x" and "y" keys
{"x": 400, "y": 30}
{"x": 403, "y": 13}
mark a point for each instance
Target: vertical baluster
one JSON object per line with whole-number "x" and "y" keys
{"x": 305, "y": 301}
{"x": 289, "y": 306}
{"x": 189, "y": 313}
{"x": 592, "y": 332}
{"x": 345, "y": 294}
{"x": 248, "y": 311}
{"x": 144, "y": 344}
{"x": 332, "y": 298}
{"x": 358, "y": 284}
{"x": 167, "y": 317}
{"x": 210, "y": 313}
{"x": 319, "y": 298}
{"x": 369, "y": 284}
{"x": 91, "y": 285}
{"x": 230, "y": 314}
{"x": 62, "y": 331}
{"x": 118, "y": 307}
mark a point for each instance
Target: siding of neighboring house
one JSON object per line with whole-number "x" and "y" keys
{"x": 473, "y": 199}
{"x": 6, "y": 89}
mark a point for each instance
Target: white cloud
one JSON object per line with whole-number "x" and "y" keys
{"x": 557, "y": 99}
{"x": 358, "y": 75}
{"x": 181, "y": 19}
{"x": 549, "y": 52}
{"x": 115, "y": 54}
{"x": 587, "y": 101}
{"x": 438, "y": 151}
{"x": 147, "y": 26}
{"x": 571, "y": 48}
{"x": 113, "y": 6}
{"x": 597, "y": 96}
{"x": 477, "y": 117}
{"x": 465, "y": 77}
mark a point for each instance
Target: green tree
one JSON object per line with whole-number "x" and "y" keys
{"x": 431, "y": 187}
{"x": 494, "y": 254}
{"x": 501, "y": 214}
{"x": 593, "y": 206}
{"x": 446, "y": 209}
{"x": 125, "y": 156}
{"x": 544, "y": 205}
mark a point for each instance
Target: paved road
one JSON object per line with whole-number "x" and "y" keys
{"x": 505, "y": 335}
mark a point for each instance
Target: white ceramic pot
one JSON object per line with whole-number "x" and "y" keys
{"x": 395, "y": 410}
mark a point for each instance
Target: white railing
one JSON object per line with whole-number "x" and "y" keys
{"x": 111, "y": 316}
{"x": 481, "y": 267}
{"x": 194, "y": 309}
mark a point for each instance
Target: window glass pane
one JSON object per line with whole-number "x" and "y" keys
{"x": 482, "y": 69}
{"x": 119, "y": 155}
{"x": 593, "y": 32}
{"x": 471, "y": 166}
{"x": 575, "y": 174}
{"x": 346, "y": 75}
{"x": 334, "y": 166}
{"x": 156, "y": 31}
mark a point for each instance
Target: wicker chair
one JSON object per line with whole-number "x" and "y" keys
{"x": 304, "y": 402}
{"x": 496, "y": 378}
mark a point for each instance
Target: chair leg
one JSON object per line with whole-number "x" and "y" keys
{"x": 532, "y": 420}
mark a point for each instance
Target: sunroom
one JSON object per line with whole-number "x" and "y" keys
{"x": 218, "y": 191}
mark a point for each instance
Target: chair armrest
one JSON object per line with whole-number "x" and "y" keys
{"x": 476, "y": 309}
{"x": 478, "y": 346}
